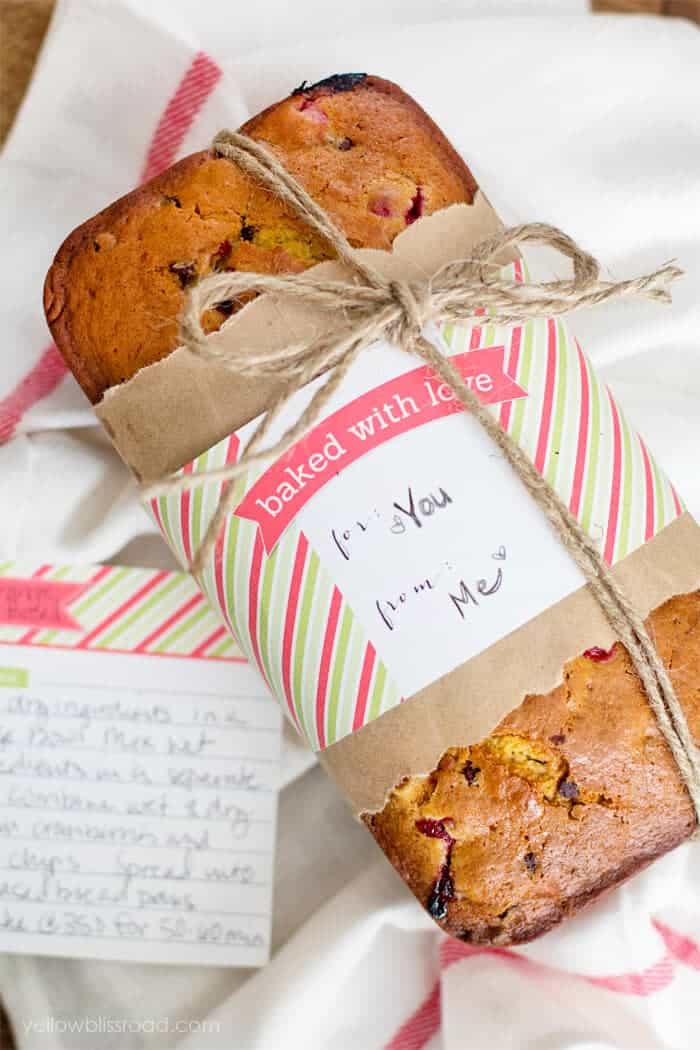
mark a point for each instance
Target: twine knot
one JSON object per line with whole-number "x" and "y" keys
{"x": 411, "y": 301}
{"x": 365, "y": 307}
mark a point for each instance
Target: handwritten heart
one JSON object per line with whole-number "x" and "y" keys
{"x": 500, "y": 554}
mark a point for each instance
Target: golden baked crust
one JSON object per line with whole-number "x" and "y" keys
{"x": 362, "y": 148}
{"x": 572, "y": 793}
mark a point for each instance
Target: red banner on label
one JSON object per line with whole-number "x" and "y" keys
{"x": 38, "y": 603}
{"x": 383, "y": 413}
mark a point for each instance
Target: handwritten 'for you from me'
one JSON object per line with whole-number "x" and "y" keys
{"x": 414, "y": 511}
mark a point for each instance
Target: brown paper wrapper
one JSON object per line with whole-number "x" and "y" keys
{"x": 174, "y": 410}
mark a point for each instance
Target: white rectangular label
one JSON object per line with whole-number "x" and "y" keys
{"x": 137, "y": 807}
{"x": 437, "y": 563}
{"x": 435, "y": 544}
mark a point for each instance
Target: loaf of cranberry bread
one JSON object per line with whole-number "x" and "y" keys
{"x": 362, "y": 148}
{"x": 573, "y": 791}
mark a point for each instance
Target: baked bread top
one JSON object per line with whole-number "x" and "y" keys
{"x": 360, "y": 146}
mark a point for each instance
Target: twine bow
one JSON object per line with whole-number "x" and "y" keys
{"x": 367, "y": 306}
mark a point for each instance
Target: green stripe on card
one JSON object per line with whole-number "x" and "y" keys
{"x": 197, "y": 497}
{"x": 61, "y": 574}
{"x": 447, "y": 331}
{"x": 228, "y": 568}
{"x": 221, "y": 648}
{"x": 238, "y": 544}
{"x": 391, "y": 698}
{"x": 302, "y": 630}
{"x": 593, "y": 450}
{"x": 317, "y": 622}
{"x": 91, "y": 598}
{"x": 141, "y": 610}
{"x": 559, "y": 407}
{"x": 339, "y": 656}
{"x": 523, "y": 378}
{"x": 286, "y": 549}
{"x": 350, "y": 686}
{"x": 98, "y": 594}
{"x": 375, "y": 704}
{"x": 163, "y": 504}
{"x": 14, "y": 677}
{"x": 627, "y": 490}
{"x": 659, "y": 503}
{"x": 265, "y": 612}
{"x": 182, "y": 628}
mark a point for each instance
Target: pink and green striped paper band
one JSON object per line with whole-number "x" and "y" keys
{"x": 285, "y": 608}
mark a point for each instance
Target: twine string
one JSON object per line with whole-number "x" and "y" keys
{"x": 367, "y": 306}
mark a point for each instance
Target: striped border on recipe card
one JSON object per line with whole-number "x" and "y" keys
{"x": 124, "y": 610}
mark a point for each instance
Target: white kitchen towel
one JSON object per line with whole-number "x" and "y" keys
{"x": 591, "y": 123}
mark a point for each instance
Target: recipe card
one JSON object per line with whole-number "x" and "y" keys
{"x": 139, "y": 763}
